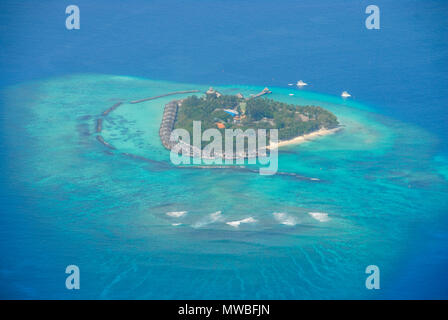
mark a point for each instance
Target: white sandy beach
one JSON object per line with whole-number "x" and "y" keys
{"x": 304, "y": 138}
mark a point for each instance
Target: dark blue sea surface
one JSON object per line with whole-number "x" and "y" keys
{"x": 64, "y": 200}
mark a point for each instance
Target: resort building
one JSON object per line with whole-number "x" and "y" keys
{"x": 212, "y": 91}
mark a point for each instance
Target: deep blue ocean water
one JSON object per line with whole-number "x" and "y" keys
{"x": 58, "y": 205}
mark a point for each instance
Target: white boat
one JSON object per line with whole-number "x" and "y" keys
{"x": 291, "y": 94}
{"x": 300, "y": 83}
{"x": 345, "y": 94}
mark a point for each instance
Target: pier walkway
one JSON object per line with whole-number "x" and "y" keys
{"x": 263, "y": 92}
{"x": 164, "y": 95}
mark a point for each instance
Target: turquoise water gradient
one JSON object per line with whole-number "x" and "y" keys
{"x": 380, "y": 183}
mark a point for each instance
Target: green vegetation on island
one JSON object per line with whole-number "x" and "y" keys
{"x": 234, "y": 112}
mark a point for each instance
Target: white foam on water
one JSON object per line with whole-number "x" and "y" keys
{"x": 176, "y": 214}
{"x": 215, "y": 216}
{"x": 285, "y": 219}
{"x": 211, "y": 218}
{"x": 237, "y": 223}
{"x": 319, "y": 216}
{"x": 176, "y": 224}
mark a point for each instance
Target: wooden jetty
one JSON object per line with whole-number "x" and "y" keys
{"x": 164, "y": 95}
{"x": 263, "y": 92}
{"x": 104, "y": 142}
{"x": 115, "y": 106}
{"x": 99, "y": 125}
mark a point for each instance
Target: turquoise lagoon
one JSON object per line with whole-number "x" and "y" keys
{"x": 378, "y": 183}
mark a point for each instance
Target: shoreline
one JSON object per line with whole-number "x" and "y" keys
{"x": 195, "y": 152}
{"x": 304, "y": 138}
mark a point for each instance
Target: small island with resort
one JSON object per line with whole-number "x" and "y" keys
{"x": 236, "y": 112}
{"x": 294, "y": 123}
{"x": 244, "y": 117}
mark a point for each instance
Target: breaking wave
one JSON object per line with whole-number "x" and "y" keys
{"x": 319, "y": 216}
{"x": 285, "y": 219}
{"x": 237, "y": 223}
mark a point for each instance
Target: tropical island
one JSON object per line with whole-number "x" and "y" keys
{"x": 215, "y": 110}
